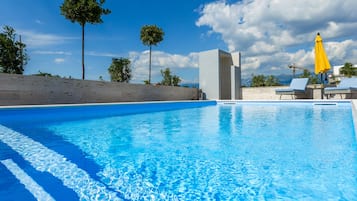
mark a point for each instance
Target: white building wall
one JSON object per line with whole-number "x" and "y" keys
{"x": 208, "y": 73}
{"x": 217, "y": 79}
{"x": 336, "y": 69}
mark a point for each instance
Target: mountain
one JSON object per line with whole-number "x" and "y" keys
{"x": 190, "y": 85}
{"x": 284, "y": 79}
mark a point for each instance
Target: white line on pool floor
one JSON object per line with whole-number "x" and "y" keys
{"x": 46, "y": 160}
{"x": 37, "y": 191}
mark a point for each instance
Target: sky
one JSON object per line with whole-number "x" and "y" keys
{"x": 270, "y": 34}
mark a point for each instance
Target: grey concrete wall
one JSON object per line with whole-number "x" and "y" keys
{"x": 20, "y": 90}
{"x": 260, "y": 93}
{"x": 268, "y": 93}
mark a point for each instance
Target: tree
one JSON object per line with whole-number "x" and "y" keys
{"x": 168, "y": 79}
{"x": 348, "y": 70}
{"x": 176, "y": 80}
{"x": 151, "y": 35}
{"x": 313, "y": 79}
{"x": 271, "y": 80}
{"x": 84, "y": 11}
{"x": 46, "y": 74}
{"x": 306, "y": 74}
{"x": 13, "y": 55}
{"x": 258, "y": 80}
{"x": 120, "y": 70}
{"x": 261, "y": 80}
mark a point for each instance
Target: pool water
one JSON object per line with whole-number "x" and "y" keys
{"x": 247, "y": 151}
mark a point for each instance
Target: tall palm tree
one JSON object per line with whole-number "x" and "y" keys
{"x": 151, "y": 35}
{"x": 84, "y": 11}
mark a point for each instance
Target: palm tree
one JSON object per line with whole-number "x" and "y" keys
{"x": 151, "y": 35}
{"x": 83, "y": 11}
{"x": 348, "y": 70}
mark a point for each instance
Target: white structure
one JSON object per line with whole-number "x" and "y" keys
{"x": 336, "y": 69}
{"x": 220, "y": 75}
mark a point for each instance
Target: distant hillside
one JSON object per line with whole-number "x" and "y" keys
{"x": 284, "y": 79}
{"x": 190, "y": 85}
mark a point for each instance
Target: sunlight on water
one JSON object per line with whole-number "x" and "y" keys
{"x": 235, "y": 152}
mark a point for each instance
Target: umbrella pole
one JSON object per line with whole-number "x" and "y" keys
{"x": 322, "y": 86}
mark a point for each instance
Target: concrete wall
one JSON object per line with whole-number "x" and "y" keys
{"x": 260, "y": 93}
{"x": 20, "y": 90}
{"x": 268, "y": 93}
{"x": 225, "y": 63}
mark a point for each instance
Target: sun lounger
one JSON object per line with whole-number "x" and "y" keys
{"x": 297, "y": 87}
{"x": 346, "y": 86}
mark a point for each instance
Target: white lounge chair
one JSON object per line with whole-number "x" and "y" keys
{"x": 297, "y": 87}
{"x": 346, "y": 86}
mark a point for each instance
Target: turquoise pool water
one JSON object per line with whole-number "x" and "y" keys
{"x": 246, "y": 151}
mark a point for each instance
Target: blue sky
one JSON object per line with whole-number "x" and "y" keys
{"x": 269, "y": 34}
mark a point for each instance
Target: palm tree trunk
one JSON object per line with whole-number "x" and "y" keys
{"x": 150, "y": 66}
{"x": 83, "y": 71}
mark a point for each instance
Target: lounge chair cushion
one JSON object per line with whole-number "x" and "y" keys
{"x": 287, "y": 90}
{"x": 347, "y": 85}
{"x": 297, "y": 86}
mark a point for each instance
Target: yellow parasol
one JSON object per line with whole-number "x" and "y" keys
{"x": 322, "y": 65}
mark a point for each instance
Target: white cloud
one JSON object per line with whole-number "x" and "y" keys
{"x": 262, "y": 47}
{"x": 34, "y": 39}
{"x": 38, "y": 21}
{"x": 272, "y": 34}
{"x": 59, "y": 60}
{"x": 341, "y": 52}
{"x": 51, "y": 52}
{"x": 159, "y": 60}
{"x": 102, "y": 54}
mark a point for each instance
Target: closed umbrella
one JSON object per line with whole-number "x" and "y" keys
{"x": 322, "y": 65}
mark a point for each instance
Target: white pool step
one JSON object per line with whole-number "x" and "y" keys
{"x": 47, "y": 160}
{"x": 37, "y": 191}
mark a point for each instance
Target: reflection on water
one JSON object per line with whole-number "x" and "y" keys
{"x": 237, "y": 152}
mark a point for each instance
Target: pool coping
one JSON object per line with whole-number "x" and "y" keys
{"x": 94, "y": 104}
{"x": 178, "y": 101}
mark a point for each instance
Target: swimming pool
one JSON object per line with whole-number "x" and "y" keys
{"x": 179, "y": 151}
